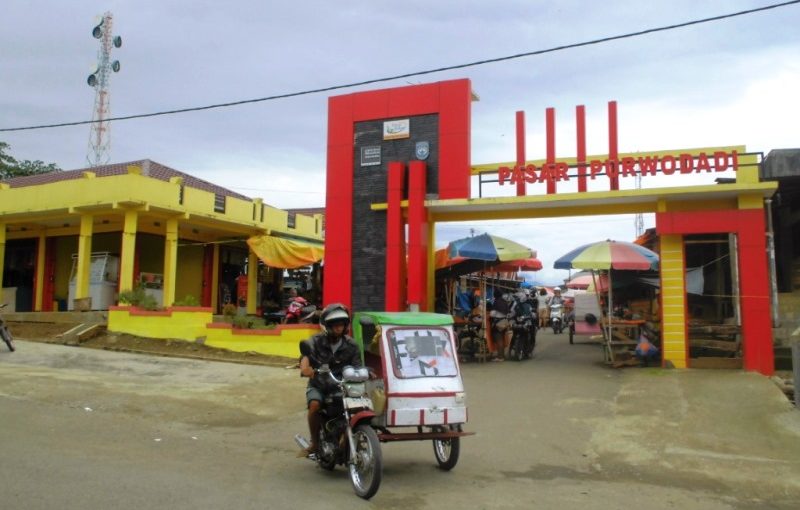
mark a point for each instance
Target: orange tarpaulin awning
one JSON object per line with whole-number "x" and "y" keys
{"x": 285, "y": 253}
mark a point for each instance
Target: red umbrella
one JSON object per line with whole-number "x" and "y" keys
{"x": 529, "y": 264}
{"x": 584, "y": 281}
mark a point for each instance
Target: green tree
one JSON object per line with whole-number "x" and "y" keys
{"x": 10, "y": 167}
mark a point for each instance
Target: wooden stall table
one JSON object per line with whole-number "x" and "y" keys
{"x": 623, "y": 337}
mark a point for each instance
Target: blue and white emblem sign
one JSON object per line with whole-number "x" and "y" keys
{"x": 423, "y": 150}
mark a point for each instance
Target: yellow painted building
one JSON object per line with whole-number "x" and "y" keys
{"x": 74, "y": 239}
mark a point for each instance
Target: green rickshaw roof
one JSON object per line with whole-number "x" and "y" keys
{"x": 407, "y": 318}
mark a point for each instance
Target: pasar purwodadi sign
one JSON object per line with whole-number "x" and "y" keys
{"x": 668, "y": 164}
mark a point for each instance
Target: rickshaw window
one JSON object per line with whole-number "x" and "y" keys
{"x": 421, "y": 352}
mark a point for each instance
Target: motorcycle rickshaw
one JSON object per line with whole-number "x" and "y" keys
{"x": 418, "y": 393}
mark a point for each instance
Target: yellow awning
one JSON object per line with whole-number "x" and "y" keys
{"x": 285, "y": 253}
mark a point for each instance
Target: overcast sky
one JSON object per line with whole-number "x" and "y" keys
{"x": 724, "y": 83}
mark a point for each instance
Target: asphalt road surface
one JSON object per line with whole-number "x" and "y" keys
{"x": 89, "y": 429}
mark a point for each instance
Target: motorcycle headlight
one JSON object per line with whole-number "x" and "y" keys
{"x": 356, "y": 389}
{"x": 355, "y": 374}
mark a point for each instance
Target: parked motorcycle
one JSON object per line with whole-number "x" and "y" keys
{"x": 5, "y": 333}
{"x": 300, "y": 311}
{"x": 471, "y": 342}
{"x": 557, "y": 317}
{"x": 524, "y": 339}
{"x": 346, "y": 436}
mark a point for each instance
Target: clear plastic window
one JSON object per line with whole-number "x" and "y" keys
{"x": 422, "y": 352}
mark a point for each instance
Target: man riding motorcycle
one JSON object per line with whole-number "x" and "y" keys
{"x": 332, "y": 347}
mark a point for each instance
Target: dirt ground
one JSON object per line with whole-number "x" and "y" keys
{"x": 49, "y": 332}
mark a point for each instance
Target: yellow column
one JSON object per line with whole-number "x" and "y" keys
{"x": 40, "y": 276}
{"x": 431, "y": 278}
{"x": 215, "y": 279}
{"x": 170, "y": 261}
{"x": 84, "y": 257}
{"x": 252, "y": 282}
{"x": 673, "y": 301}
{"x": 128, "y": 251}
{"x": 2, "y": 251}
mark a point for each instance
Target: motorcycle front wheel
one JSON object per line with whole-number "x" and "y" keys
{"x": 366, "y": 469}
{"x": 446, "y": 450}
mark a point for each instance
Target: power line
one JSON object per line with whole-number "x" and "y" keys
{"x": 420, "y": 73}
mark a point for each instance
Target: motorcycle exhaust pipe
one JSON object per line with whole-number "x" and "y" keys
{"x": 301, "y": 441}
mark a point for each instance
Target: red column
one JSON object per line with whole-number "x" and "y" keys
{"x": 748, "y": 224}
{"x": 550, "y": 121}
{"x": 417, "y": 236}
{"x": 521, "y": 151}
{"x": 613, "y": 152}
{"x": 580, "y": 122}
{"x": 394, "y": 293}
{"x": 338, "y": 287}
{"x": 755, "y": 298}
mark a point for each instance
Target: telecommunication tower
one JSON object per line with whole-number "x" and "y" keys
{"x": 99, "y": 136}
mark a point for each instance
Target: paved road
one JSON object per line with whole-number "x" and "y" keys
{"x": 93, "y": 430}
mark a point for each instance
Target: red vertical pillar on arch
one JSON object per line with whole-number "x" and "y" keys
{"x": 550, "y": 121}
{"x": 580, "y": 123}
{"x": 417, "y": 236}
{"x": 394, "y": 293}
{"x": 521, "y": 151}
{"x": 613, "y": 150}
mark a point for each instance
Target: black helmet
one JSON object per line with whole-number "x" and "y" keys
{"x": 334, "y": 312}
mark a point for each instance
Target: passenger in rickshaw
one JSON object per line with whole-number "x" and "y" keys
{"x": 334, "y": 348}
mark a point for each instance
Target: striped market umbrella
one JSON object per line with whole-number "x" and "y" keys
{"x": 489, "y": 248}
{"x": 608, "y": 255}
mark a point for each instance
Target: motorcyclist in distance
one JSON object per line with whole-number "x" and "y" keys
{"x": 332, "y": 347}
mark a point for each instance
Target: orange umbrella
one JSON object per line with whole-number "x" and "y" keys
{"x": 529, "y": 264}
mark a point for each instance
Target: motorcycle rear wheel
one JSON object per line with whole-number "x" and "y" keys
{"x": 366, "y": 469}
{"x": 6, "y": 334}
{"x": 446, "y": 450}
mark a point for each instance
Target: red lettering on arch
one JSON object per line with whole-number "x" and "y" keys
{"x": 668, "y": 165}
{"x": 530, "y": 174}
{"x": 648, "y": 165}
{"x": 503, "y": 173}
{"x": 561, "y": 172}
{"x": 595, "y": 167}
{"x": 720, "y": 161}
{"x": 516, "y": 176}
{"x": 628, "y": 166}
{"x": 687, "y": 163}
{"x": 612, "y": 168}
{"x": 702, "y": 163}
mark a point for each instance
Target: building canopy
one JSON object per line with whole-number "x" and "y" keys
{"x": 285, "y": 253}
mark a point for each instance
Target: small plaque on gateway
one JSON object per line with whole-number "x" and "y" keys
{"x": 371, "y": 156}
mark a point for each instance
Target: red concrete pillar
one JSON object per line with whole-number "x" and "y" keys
{"x": 550, "y": 121}
{"x": 394, "y": 294}
{"x": 580, "y": 122}
{"x": 417, "y": 236}
{"x": 521, "y": 151}
{"x": 613, "y": 152}
{"x": 755, "y": 296}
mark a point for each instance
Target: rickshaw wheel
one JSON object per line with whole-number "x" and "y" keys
{"x": 446, "y": 450}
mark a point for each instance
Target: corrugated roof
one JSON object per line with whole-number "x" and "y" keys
{"x": 149, "y": 169}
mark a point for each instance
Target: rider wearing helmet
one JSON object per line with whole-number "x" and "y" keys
{"x": 556, "y": 298}
{"x": 332, "y": 347}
